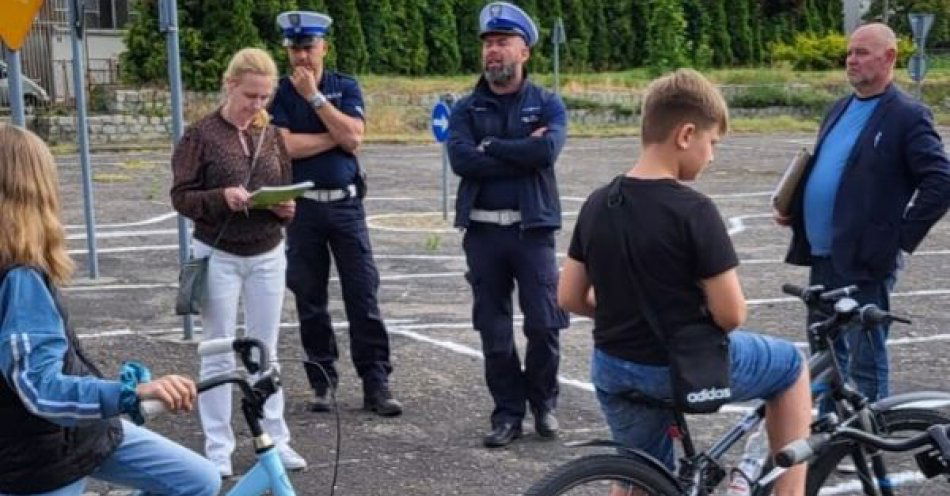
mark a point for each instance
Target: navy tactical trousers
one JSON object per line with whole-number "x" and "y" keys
{"x": 498, "y": 257}
{"x": 338, "y": 228}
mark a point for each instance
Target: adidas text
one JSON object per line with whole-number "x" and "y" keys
{"x": 710, "y": 394}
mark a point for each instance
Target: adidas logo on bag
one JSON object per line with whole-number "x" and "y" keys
{"x": 710, "y": 394}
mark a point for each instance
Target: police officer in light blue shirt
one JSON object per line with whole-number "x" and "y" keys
{"x": 504, "y": 140}
{"x": 320, "y": 113}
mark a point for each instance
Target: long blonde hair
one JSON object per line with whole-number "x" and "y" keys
{"x": 253, "y": 61}
{"x": 30, "y": 230}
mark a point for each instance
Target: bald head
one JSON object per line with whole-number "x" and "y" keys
{"x": 878, "y": 34}
{"x": 872, "y": 53}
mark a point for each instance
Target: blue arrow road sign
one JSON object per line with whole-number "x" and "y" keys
{"x": 440, "y": 121}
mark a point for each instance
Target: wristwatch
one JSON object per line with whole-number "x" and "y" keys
{"x": 318, "y": 100}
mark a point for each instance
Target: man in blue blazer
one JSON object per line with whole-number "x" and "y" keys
{"x": 852, "y": 216}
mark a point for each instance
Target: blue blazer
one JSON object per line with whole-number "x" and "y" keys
{"x": 897, "y": 154}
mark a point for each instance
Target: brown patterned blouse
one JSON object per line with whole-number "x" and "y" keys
{"x": 210, "y": 158}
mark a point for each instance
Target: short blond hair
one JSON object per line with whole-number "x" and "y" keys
{"x": 251, "y": 61}
{"x": 30, "y": 229}
{"x": 683, "y": 96}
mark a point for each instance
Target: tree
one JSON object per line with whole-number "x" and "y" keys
{"x": 217, "y": 45}
{"x": 348, "y": 36}
{"x": 412, "y": 54}
{"x": 466, "y": 22}
{"x": 264, "y": 18}
{"x": 720, "y": 40}
{"x": 698, "y": 31}
{"x": 442, "y": 39}
{"x": 599, "y": 41}
{"x": 380, "y": 34}
{"x": 144, "y": 60}
{"x": 621, "y": 40}
{"x": 740, "y": 32}
{"x": 578, "y": 34}
{"x": 665, "y": 45}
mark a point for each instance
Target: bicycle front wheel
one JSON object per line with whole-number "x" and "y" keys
{"x": 604, "y": 475}
{"x": 903, "y": 476}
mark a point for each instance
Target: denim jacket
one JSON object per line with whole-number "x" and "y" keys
{"x": 508, "y": 150}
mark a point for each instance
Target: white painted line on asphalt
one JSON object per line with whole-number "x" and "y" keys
{"x": 901, "y": 294}
{"x": 472, "y": 352}
{"x": 124, "y": 234}
{"x": 855, "y": 486}
{"x": 150, "y": 220}
{"x": 737, "y": 223}
{"x": 127, "y": 249}
{"x": 925, "y": 253}
{"x": 198, "y": 329}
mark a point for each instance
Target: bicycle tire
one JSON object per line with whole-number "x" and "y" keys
{"x": 603, "y": 469}
{"x": 826, "y": 463}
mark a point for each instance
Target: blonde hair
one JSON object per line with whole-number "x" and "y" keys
{"x": 30, "y": 230}
{"x": 683, "y": 96}
{"x": 253, "y": 61}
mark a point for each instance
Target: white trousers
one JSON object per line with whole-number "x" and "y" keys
{"x": 259, "y": 281}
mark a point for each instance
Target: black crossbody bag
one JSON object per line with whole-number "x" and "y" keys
{"x": 698, "y": 352}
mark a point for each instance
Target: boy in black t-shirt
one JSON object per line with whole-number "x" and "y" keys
{"x": 688, "y": 269}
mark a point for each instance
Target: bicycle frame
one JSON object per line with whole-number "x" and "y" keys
{"x": 268, "y": 474}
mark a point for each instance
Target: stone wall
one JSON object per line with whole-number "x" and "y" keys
{"x": 106, "y": 129}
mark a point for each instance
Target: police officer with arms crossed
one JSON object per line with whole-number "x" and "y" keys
{"x": 504, "y": 139}
{"x": 320, "y": 113}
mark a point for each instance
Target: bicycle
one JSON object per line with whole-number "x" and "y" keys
{"x": 268, "y": 475}
{"x": 700, "y": 473}
{"x": 934, "y": 460}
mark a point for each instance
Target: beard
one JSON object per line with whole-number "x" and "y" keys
{"x": 500, "y": 75}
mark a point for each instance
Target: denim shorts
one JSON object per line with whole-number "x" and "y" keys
{"x": 762, "y": 367}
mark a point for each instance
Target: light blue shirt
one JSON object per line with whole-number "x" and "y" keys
{"x": 822, "y": 187}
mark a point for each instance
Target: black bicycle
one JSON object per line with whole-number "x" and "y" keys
{"x": 634, "y": 472}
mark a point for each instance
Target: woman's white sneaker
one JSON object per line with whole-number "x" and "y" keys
{"x": 291, "y": 459}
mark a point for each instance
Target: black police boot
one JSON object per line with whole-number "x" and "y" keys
{"x": 545, "y": 424}
{"x": 380, "y": 401}
{"x": 502, "y": 435}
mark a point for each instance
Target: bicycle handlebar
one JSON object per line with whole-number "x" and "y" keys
{"x": 802, "y": 449}
{"x": 799, "y": 451}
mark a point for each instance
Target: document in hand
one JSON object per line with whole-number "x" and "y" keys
{"x": 268, "y": 196}
{"x": 785, "y": 189}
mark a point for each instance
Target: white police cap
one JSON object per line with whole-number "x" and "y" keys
{"x": 505, "y": 18}
{"x": 301, "y": 27}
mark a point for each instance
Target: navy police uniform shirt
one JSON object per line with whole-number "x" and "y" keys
{"x": 332, "y": 169}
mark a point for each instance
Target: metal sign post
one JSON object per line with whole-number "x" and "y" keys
{"x": 18, "y": 17}
{"x": 15, "y": 80}
{"x": 168, "y": 24}
{"x": 440, "y": 130}
{"x": 920, "y": 24}
{"x": 558, "y": 38}
{"x": 76, "y": 22}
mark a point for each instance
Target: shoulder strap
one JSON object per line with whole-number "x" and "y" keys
{"x": 250, "y": 172}
{"x": 615, "y": 208}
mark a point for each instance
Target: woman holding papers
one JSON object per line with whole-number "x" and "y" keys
{"x": 219, "y": 159}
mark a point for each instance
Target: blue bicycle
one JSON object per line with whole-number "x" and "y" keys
{"x": 268, "y": 475}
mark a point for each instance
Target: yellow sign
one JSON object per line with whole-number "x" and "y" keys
{"x": 18, "y": 17}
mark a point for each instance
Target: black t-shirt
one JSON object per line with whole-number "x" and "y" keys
{"x": 680, "y": 239}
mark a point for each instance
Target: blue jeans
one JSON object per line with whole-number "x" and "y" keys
{"x": 861, "y": 353}
{"x": 152, "y": 463}
{"x": 762, "y": 367}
